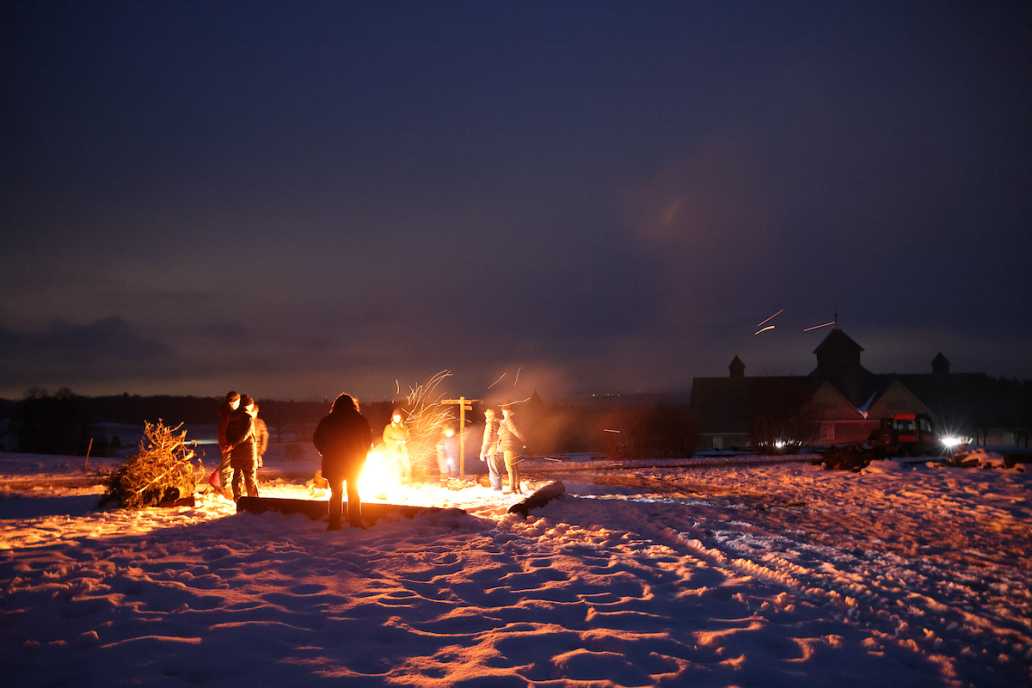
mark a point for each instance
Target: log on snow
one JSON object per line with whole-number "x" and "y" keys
{"x": 319, "y": 509}
{"x": 540, "y": 497}
{"x": 182, "y": 501}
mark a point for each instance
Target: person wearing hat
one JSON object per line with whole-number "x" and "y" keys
{"x": 220, "y": 477}
{"x": 343, "y": 438}
{"x": 243, "y": 448}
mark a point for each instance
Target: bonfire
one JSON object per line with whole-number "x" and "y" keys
{"x": 425, "y": 417}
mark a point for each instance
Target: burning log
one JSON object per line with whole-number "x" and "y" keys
{"x": 540, "y": 497}
{"x": 318, "y": 509}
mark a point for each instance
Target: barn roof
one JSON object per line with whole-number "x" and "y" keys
{"x": 837, "y": 339}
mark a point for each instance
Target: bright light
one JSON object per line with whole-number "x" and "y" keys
{"x": 380, "y": 477}
{"x": 952, "y": 441}
{"x": 448, "y": 432}
{"x": 396, "y": 417}
{"x": 779, "y": 444}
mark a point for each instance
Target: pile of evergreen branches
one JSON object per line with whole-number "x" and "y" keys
{"x": 161, "y": 472}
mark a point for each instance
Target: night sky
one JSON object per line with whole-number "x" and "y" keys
{"x": 298, "y": 199}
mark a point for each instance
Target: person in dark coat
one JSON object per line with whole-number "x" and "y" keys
{"x": 222, "y": 475}
{"x": 243, "y": 448}
{"x": 343, "y": 438}
{"x": 231, "y": 404}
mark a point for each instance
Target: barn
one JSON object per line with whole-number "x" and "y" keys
{"x": 841, "y": 402}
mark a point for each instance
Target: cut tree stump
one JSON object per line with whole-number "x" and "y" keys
{"x": 542, "y": 496}
{"x": 318, "y": 509}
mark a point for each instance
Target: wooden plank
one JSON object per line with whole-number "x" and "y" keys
{"x": 542, "y": 496}
{"x": 318, "y": 509}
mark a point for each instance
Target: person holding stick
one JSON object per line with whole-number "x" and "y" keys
{"x": 243, "y": 448}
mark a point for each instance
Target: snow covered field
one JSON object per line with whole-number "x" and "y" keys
{"x": 761, "y": 575}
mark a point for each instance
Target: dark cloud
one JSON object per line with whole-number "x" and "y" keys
{"x": 612, "y": 197}
{"x": 69, "y": 354}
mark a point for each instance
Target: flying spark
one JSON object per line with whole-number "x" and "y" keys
{"x": 768, "y": 328}
{"x": 764, "y": 322}
{"x": 517, "y": 376}
{"x": 817, "y": 327}
{"x": 500, "y": 378}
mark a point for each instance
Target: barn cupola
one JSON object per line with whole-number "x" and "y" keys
{"x": 838, "y": 355}
{"x": 838, "y": 361}
{"x": 737, "y": 367}
{"x": 940, "y": 365}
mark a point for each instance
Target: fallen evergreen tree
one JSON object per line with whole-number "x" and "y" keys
{"x": 160, "y": 473}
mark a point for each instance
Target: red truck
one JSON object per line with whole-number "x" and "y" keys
{"x": 905, "y": 434}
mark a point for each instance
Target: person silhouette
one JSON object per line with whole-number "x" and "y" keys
{"x": 343, "y": 438}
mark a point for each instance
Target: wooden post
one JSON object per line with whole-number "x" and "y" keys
{"x": 462, "y": 437}
{"x": 86, "y": 461}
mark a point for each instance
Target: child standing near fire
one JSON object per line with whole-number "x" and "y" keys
{"x": 261, "y": 435}
{"x": 395, "y": 441}
{"x": 448, "y": 454}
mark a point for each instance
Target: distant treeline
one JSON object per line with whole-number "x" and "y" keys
{"x": 619, "y": 427}
{"x": 64, "y": 422}
{"x": 42, "y": 423}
